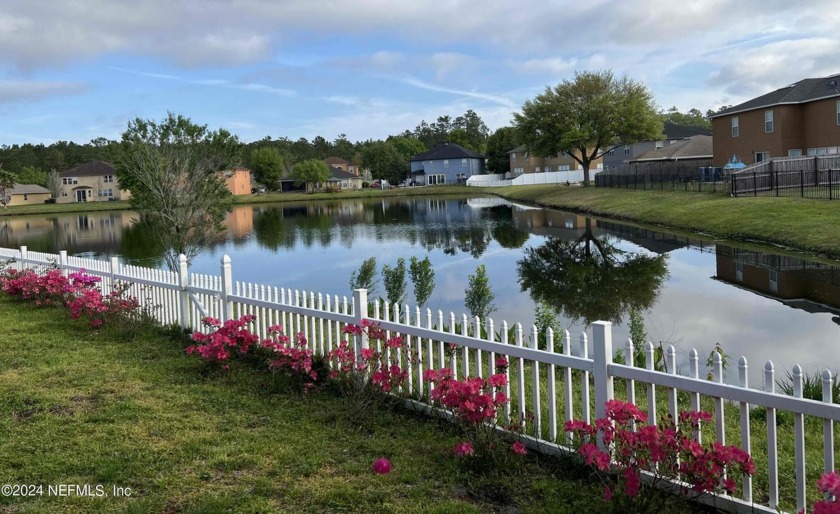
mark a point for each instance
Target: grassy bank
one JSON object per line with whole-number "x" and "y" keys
{"x": 142, "y": 415}
{"x": 809, "y": 225}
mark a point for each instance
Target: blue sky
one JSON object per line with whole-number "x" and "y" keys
{"x": 77, "y": 70}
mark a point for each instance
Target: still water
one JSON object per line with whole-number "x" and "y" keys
{"x": 693, "y": 293}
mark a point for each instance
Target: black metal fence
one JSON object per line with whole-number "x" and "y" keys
{"x": 805, "y": 177}
{"x": 694, "y": 175}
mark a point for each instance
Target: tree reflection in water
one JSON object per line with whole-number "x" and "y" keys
{"x": 590, "y": 279}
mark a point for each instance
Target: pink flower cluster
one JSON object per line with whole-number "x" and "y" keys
{"x": 51, "y": 288}
{"x": 292, "y": 356}
{"x": 385, "y": 376}
{"x": 232, "y": 336}
{"x": 666, "y": 450}
{"x": 90, "y": 303}
{"x": 829, "y": 485}
{"x": 473, "y": 400}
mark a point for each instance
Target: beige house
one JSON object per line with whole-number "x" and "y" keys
{"x": 28, "y": 194}
{"x": 523, "y": 162}
{"x": 94, "y": 181}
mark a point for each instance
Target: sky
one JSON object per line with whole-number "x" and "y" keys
{"x": 75, "y": 70}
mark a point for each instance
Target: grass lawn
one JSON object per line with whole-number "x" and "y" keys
{"x": 805, "y": 224}
{"x": 81, "y": 409}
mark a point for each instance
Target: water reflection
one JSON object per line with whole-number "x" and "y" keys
{"x": 591, "y": 279}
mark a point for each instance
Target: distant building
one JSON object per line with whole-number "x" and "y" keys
{"x": 671, "y": 134}
{"x": 694, "y": 148}
{"x": 447, "y": 163}
{"x": 27, "y": 194}
{"x": 797, "y": 120}
{"x": 238, "y": 181}
{"x": 94, "y": 181}
{"x": 342, "y": 164}
{"x": 521, "y": 161}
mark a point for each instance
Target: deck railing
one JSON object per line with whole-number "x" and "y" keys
{"x": 546, "y": 386}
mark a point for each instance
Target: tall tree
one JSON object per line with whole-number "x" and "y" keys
{"x": 311, "y": 171}
{"x": 385, "y": 162}
{"x": 54, "y": 183}
{"x": 7, "y": 182}
{"x": 407, "y": 147}
{"x": 268, "y": 166}
{"x": 587, "y": 117}
{"x": 470, "y": 129}
{"x": 365, "y": 277}
{"x": 172, "y": 169}
{"x": 692, "y": 118}
{"x": 32, "y": 175}
{"x": 499, "y": 144}
{"x": 394, "y": 280}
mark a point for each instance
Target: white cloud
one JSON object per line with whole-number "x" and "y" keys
{"x": 22, "y": 90}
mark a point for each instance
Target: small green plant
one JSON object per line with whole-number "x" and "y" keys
{"x": 812, "y": 386}
{"x": 710, "y": 362}
{"x": 546, "y": 318}
{"x": 394, "y": 279}
{"x": 423, "y": 277}
{"x": 365, "y": 277}
{"x": 638, "y": 334}
{"x": 479, "y": 297}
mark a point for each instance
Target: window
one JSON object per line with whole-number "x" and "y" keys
{"x": 563, "y": 167}
{"x": 774, "y": 280}
{"x": 838, "y": 112}
{"x": 626, "y": 149}
{"x": 69, "y": 180}
{"x": 660, "y": 144}
{"x": 108, "y": 179}
{"x": 548, "y": 168}
{"x": 446, "y": 163}
{"x": 513, "y": 157}
{"x": 463, "y": 163}
{"x": 611, "y": 152}
{"x": 64, "y": 193}
{"x": 768, "y": 121}
{"x": 537, "y": 169}
{"x": 106, "y": 192}
{"x": 739, "y": 271}
{"x": 795, "y": 152}
{"x": 735, "y": 129}
{"x": 25, "y": 197}
{"x": 761, "y": 156}
{"x": 437, "y": 179}
{"x": 831, "y": 150}
{"x": 461, "y": 177}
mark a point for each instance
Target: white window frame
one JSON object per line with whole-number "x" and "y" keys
{"x": 838, "y": 112}
{"x": 611, "y": 153}
{"x": 108, "y": 179}
{"x": 463, "y": 163}
{"x": 795, "y": 152}
{"x": 513, "y": 157}
{"x": 446, "y": 163}
{"x": 768, "y": 121}
{"x": 735, "y": 124}
{"x": 765, "y": 156}
{"x": 563, "y": 167}
{"x": 626, "y": 149}
{"x": 537, "y": 169}
{"x": 659, "y": 144}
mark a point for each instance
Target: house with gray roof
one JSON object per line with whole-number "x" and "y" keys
{"x": 26, "y": 194}
{"x": 802, "y": 119}
{"x": 671, "y": 134}
{"x": 447, "y": 163}
{"x": 94, "y": 181}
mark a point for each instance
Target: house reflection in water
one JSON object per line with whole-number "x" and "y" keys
{"x": 807, "y": 285}
{"x": 240, "y": 222}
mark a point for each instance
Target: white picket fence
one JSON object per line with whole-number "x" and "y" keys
{"x": 546, "y": 388}
{"x": 545, "y": 177}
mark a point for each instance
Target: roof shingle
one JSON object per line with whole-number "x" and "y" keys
{"x": 804, "y": 91}
{"x": 447, "y": 151}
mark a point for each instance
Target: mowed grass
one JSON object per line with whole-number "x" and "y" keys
{"x": 82, "y": 409}
{"x": 806, "y": 224}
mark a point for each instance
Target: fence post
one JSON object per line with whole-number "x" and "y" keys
{"x": 360, "y": 312}
{"x": 113, "y": 270}
{"x": 62, "y": 262}
{"x": 24, "y": 256}
{"x": 830, "y": 186}
{"x": 227, "y": 288}
{"x": 776, "y": 181}
{"x": 602, "y": 355}
{"x": 755, "y": 185}
{"x": 801, "y": 183}
{"x": 183, "y": 277}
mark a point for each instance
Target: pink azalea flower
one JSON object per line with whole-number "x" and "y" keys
{"x": 382, "y": 466}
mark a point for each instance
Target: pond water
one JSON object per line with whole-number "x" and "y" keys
{"x": 692, "y": 293}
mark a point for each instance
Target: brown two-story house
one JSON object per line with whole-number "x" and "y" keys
{"x": 523, "y": 162}
{"x": 798, "y": 120}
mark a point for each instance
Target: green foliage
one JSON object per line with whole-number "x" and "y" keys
{"x": 467, "y": 130}
{"x": 587, "y": 117}
{"x": 385, "y": 162}
{"x": 394, "y": 280}
{"x": 545, "y": 318}
{"x": 311, "y": 171}
{"x": 54, "y": 183}
{"x": 565, "y": 275}
{"x": 7, "y": 182}
{"x": 812, "y": 386}
{"x": 638, "y": 334}
{"x": 423, "y": 277}
{"x": 693, "y": 118}
{"x": 710, "y": 361}
{"x": 172, "y": 169}
{"x": 478, "y": 295}
{"x": 32, "y": 175}
{"x": 365, "y": 277}
{"x": 268, "y": 165}
{"x": 406, "y": 146}
{"x": 498, "y": 145}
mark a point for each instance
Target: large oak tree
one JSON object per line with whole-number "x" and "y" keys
{"x": 587, "y": 117}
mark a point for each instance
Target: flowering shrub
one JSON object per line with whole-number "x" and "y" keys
{"x": 367, "y": 379}
{"x": 829, "y": 485}
{"x": 293, "y": 357}
{"x": 51, "y": 288}
{"x": 89, "y": 302}
{"x": 475, "y": 403}
{"x": 667, "y": 450}
{"x": 230, "y": 338}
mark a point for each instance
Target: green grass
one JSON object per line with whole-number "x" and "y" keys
{"x": 78, "y": 409}
{"x": 804, "y": 224}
